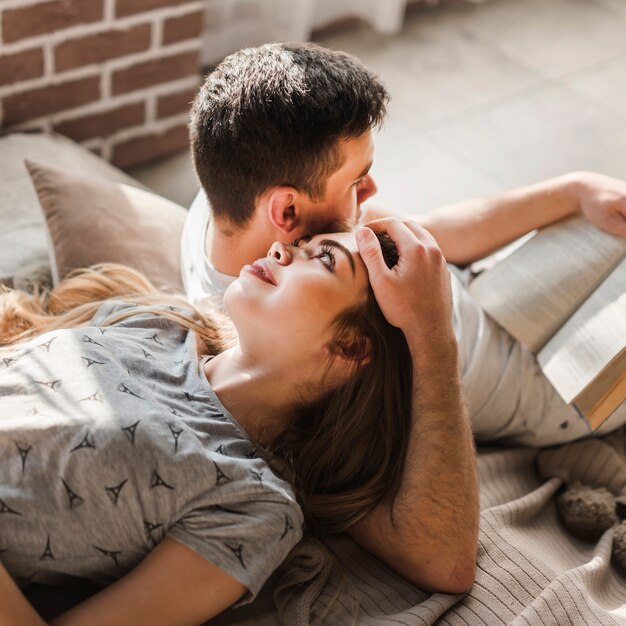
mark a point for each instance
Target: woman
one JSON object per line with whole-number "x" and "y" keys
{"x": 128, "y": 431}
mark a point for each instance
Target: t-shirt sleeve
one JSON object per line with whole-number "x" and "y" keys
{"x": 192, "y": 245}
{"x": 248, "y": 540}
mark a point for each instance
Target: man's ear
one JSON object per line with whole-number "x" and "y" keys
{"x": 283, "y": 208}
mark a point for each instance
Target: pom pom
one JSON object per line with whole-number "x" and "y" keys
{"x": 619, "y": 545}
{"x": 587, "y": 511}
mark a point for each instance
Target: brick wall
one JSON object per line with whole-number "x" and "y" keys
{"x": 117, "y": 76}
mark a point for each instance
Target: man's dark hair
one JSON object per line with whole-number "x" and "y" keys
{"x": 273, "y": 115}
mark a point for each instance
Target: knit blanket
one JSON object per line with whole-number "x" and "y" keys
{"x": 531, "y": 570}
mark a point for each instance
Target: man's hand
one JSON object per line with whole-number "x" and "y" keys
{"x": 415, "y": 294}
{"x": 603, "y": 201}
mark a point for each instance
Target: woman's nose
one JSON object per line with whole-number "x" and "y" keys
{"x": 279, "y": 252}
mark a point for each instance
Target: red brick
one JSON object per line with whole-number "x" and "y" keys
{"x": 28, "y": 105}
{"x": 103, "y": 124}
{"x": 184, "y": 27}
{"x": 101, "y": 47}
{"x": 150, "y": 147}
{"x": 48, "y": 17}
{"x": 21, "y": 66}
{"x": 131, "y": 7}
{"x": 161, "y": 70}
{"x": 174, "y": 103}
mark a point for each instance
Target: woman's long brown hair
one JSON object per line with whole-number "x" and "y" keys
{"x": 347, "y": 449}
{"x": 345, "y": 452}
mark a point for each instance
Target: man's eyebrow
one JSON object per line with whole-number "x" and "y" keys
{"x": 365, "y": 170}
{"x": 339, "y": 246}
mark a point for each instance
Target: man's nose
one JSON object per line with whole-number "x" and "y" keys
{"x": 368, "y": 189}
{"x": 280, "y": 253}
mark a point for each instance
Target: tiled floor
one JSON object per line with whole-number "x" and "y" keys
{"x": 484, "y": 97}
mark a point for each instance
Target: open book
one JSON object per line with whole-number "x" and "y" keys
{"x": 563, "y": 295}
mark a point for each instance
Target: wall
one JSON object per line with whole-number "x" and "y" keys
{"x": 117, "y": 76}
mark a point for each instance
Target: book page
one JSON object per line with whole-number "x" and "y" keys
{"x": 605, "y": 394}
{"x": 534, "y": 290}
{"x": 589, "y": 340}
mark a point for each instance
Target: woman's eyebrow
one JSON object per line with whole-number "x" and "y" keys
{"x": 335, "y": 244}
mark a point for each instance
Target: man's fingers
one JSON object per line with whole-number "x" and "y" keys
{"x": 419, "y": 231}
{"x": 616, "y": 224}
{"x": 369, "y": 249}
{"x": 403, "y": 236}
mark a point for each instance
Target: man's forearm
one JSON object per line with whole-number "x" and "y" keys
{"x": 429, "y": 532}
{"x": 438, "y": 498}
{"x": 471, "y": 230}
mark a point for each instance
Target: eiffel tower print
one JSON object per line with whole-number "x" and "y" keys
{"x": 288, "y": 527}
{"x": 85, "y": 443}
{"x": 157, "y": 481}
{"x": 53, "y": 384}
{"x": 221, "y": 477}
{"x": 47, "y": 553}
{"x": 46, "y": 345}
{"x": 124, "y": 389}
{"x": 91, "y": 362}
{"x": 176, "y": 434}
{"x": 130, "y": 431}
{"x": 95, "y": 397}
{"x": 236, "y": 550}
{"x": 114, "y": 492}
{"x": 150, "y": 528}
{"x": 74, "y": 499}
{"x": 87, "y": 339}
{"x": 23, "y": 450}
{"x": 112, "y": 554}
{"x": 5, "y": 508}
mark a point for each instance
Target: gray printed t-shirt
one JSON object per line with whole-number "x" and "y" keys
{"x": 112, "y": 439}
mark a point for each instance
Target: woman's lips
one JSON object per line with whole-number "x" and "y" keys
{"x": 261, "y": 270}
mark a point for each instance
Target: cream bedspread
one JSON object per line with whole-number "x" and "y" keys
{"x": 530, "y": 569}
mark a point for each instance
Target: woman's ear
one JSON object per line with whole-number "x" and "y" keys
{"x": 283, "y": 210}
{"x": 355, "y": 351}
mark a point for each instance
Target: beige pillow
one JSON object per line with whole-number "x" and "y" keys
{"x": 93, "y": 221}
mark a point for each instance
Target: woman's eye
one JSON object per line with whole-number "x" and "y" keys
{"x": 358, "y": 183}
{"x": 327, "y": 257}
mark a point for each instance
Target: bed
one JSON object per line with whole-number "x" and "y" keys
{"x": 531, "y": 570}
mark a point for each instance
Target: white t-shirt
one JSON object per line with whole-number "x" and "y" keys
{"x": 507, "y": 396}
{"x": 204, "y": 285}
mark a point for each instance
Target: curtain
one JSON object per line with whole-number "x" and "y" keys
{"x": 234, "y": 24}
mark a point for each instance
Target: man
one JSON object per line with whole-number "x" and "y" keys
{"x": 281, "y": 138}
